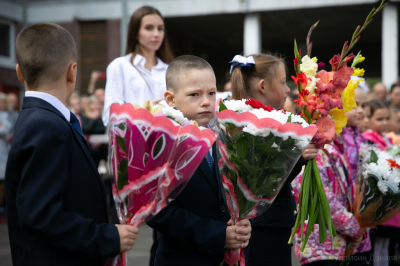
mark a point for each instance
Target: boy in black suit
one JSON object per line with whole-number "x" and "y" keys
{"x": 56, "y": 204}
{"x": 195, "y": 228}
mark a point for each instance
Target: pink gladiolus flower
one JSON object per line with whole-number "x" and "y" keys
{"x": 325, "y": 133}
{"x": 342, "y": 76}
{"x": 325, "y": 82}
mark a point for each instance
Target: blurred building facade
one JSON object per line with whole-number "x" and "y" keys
{"x": 215, "y": 30}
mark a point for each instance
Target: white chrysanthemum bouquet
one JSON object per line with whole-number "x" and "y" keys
{"x": 257, "y": 149}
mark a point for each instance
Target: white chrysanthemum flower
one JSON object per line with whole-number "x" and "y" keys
{"x": 239, "y": 106}
{"x": 175, "y": 115}
{"x": 382, "y": 187}
{"x": 308, "y": 66}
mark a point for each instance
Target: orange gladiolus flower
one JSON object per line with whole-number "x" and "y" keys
{"x": 305, "y": 99}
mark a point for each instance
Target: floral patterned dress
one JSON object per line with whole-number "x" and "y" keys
{"x": 339, "y": 188}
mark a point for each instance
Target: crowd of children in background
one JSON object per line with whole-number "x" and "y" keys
{"x": 376, "y": 121}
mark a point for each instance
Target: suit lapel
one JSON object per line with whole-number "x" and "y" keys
{"x": 216, "y": 170}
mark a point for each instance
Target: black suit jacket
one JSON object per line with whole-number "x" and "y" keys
{"x": 56, "y": 205}
{"x": 192, "y": 229}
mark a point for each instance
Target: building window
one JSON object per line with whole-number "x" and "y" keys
{"x": 5, "y": 40}
{"x": 7, "y": 37}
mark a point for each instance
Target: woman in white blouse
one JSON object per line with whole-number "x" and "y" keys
{"x": 140, "y": 74}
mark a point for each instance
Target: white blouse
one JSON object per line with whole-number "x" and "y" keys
{"x": 129, "y": 84}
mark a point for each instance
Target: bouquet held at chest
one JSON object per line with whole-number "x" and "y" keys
{"x": 257, "y": 149}
{"x": 325, "y": 97}
{"x": 154, "y": 152}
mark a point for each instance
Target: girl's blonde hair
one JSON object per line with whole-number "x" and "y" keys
{"x": 3, "y": 97}
{"x": 265, "y": 68}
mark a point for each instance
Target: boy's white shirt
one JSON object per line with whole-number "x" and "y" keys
{"x": 56, "y": 103}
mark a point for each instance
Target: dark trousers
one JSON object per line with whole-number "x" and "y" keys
{"x": 269, "y": 246}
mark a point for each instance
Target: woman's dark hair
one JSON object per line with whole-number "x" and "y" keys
{"x": 374, "y": 105}
{"x": 164, "y": 53}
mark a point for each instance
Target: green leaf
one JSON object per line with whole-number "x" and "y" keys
{"x": 242, "y": 147}
{"x": 121, "y": 143}
{"x": 122, "y": 174}
{"x": 289, "y": 120}
{"x": 287, "y": 144}
{"x": 374, "y": 157}
{"x": 121, "y": 126}
{"x": 222, "y": 106}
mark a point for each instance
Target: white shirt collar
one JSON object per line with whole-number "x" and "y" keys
{"x": 51, "y": 100}
{"x": 139, "y": 61}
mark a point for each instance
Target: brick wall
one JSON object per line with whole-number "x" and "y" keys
{"x": 8, "y": 78}
{"x": 113, "y": 40}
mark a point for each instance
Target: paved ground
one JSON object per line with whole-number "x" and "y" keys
{"x": 138, "y": 256}
{"x": 140, "y": 253}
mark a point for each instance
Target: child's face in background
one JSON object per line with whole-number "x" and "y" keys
{"x": 379, "y": 121}
{"x": 364, "y": 124}
{"x": 395, "y": 96}
{"x": 355, "y": 116}
{"x": 394, "y": 122}
{"x": 195, "y": 96}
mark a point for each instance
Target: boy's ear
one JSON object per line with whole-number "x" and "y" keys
{"x": 170, "y": 98}
{"x": 71, "y": 74}
{"x": 19, "y": 74}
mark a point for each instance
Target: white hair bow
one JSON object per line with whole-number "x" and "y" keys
{"x": 241, "y": 61}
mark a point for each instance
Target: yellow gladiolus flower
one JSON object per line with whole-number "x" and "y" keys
{"x": 338, "y": 116}
{"x": 361, "y": 59}
{"x": 359, "y": 72}
{"x": 148, "y": 105}
{"x": 348, "y": 94}
{"x": 314, "y": 59}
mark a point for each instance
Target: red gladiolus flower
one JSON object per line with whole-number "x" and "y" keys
{"x": 342, "y": 76}
{"x": 325, "y": 133}
{"x": 302, "y": 79}
{"x": 321, "y": 65}
{"x": 325, "y": 82}
{"x": 254, "y": 103}
{"x": 335, "y": 61}
{"x": 349, "y": 58}
{"x": 296, "y": 62}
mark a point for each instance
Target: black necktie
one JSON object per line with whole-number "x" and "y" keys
{"x": 76, "y": 125}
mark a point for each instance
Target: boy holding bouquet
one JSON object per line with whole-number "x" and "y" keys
{"x": 195, "y": 228}
{"x": 56, "y": 205}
